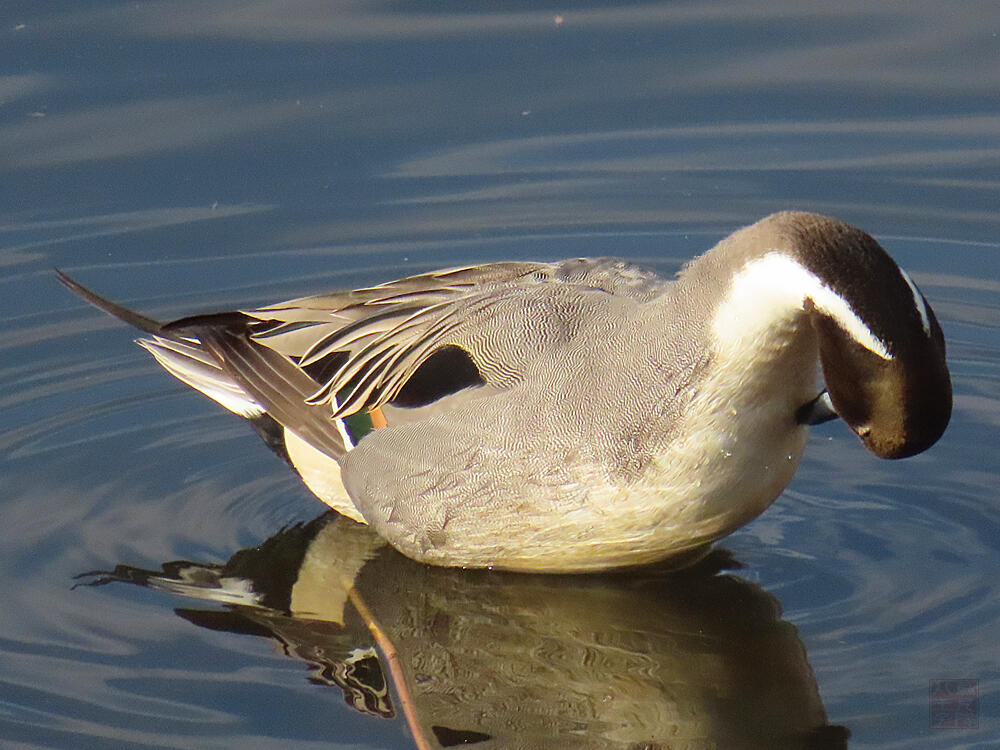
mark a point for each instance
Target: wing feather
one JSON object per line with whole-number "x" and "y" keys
{"x": 388, "y": 331}
{"x": 373, "y": 340}
{"x": 278, "y": 384}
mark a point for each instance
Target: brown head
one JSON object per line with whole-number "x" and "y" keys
{"x": 888, "y": 380}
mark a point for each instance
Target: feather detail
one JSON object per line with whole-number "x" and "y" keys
{"x": 378, "y": 337}
{"x": 191, "y": 364}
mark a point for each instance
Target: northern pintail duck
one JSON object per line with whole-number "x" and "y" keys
{"x": 578, "y": 415}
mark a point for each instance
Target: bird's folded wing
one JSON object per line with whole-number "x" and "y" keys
{"x": 373, "y": 340}
{"x": 275, "y": 382}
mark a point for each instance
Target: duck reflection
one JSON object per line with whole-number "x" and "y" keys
{"x": 641, "y": 660}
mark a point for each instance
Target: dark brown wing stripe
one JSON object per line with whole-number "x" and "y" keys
{"x": 280, "y": 387}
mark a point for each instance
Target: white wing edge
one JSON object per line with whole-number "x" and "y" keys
{"x": 190, "y": 364}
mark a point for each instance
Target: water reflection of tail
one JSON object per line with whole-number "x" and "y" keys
{"x": 644, "y": 659}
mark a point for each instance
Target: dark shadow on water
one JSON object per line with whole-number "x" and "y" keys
{"x": 649, "y": 659}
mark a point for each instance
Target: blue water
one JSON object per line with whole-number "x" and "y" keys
{"x": 184, "y": 157}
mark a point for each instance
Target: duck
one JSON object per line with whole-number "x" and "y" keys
{"x": 579, "y": 415}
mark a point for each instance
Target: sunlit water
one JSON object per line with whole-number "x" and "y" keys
{"x": 183, "y": 157}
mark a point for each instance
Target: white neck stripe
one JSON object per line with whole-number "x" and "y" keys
{"x": 769, "y": 288}
{"x": 918, "y": 299}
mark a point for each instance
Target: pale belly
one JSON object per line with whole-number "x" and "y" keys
{"x": 699, "y": 490}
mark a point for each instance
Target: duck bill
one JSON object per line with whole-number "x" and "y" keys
{"x": 898, "y": 407}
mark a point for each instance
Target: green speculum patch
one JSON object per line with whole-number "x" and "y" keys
{"x": 358, "y": 425}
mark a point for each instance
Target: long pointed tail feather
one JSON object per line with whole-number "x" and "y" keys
{"x": 215, "y": 355}
{"x": 143, "y": 323}
{"x": 183, "y": 356}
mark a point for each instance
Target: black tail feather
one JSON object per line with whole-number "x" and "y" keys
{"x": 149, "y": 325}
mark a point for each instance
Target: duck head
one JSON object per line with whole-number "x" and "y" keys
{"x": 888, "y": 380}
{"x": 880, "y": 346}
